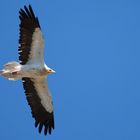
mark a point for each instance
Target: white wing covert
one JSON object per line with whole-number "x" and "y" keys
{"x": 31, "y": 44}
{"x": 31, "y": 52}
{"x": 40, "y": 101}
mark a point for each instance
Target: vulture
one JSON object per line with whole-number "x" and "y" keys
{"x": 32, "y": 70}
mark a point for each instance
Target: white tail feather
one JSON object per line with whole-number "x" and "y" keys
{"x": 11, "y": 65}
{"x": 10, "y": 70}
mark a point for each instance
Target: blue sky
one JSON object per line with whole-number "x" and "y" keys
{"x": 94, "y": 46}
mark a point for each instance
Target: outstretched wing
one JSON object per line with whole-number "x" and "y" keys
{"x": 31, "y": 44}
{"x": 40, "y": 101}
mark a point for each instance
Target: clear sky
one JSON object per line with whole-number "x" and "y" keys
{"x": 94, "y": 46}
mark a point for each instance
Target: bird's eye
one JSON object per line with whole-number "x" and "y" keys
{"x": 50, "y": 70}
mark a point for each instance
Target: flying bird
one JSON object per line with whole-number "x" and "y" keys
{"x": 32, "y": 70}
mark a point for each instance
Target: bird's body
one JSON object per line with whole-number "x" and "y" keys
{"x": 15, "y": 71}
{"x": 32, "y": 70}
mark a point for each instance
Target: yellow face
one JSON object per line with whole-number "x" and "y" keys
{"x": 50, "y": 71}
{"x": 46, "y": 71}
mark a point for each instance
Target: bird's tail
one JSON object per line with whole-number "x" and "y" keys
{"x": 11, "y": 65}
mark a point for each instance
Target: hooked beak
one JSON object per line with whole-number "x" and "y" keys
{"x": 51, "y": 71}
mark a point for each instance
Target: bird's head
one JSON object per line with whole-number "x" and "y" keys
{"x": 46, "y": 70}
{"x": 50, "y": 71}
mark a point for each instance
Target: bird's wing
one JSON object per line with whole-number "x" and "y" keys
{"x": 31, "y": 44}
{"x": 40, "y": 101}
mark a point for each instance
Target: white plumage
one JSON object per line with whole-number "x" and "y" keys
{"x": 32, "y": 70}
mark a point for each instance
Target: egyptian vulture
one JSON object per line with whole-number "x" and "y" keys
{"x": 32, "y": 70}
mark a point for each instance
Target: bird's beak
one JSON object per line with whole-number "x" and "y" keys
{"x": 53, "y": 71}
{"x": 50, "y": 71}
